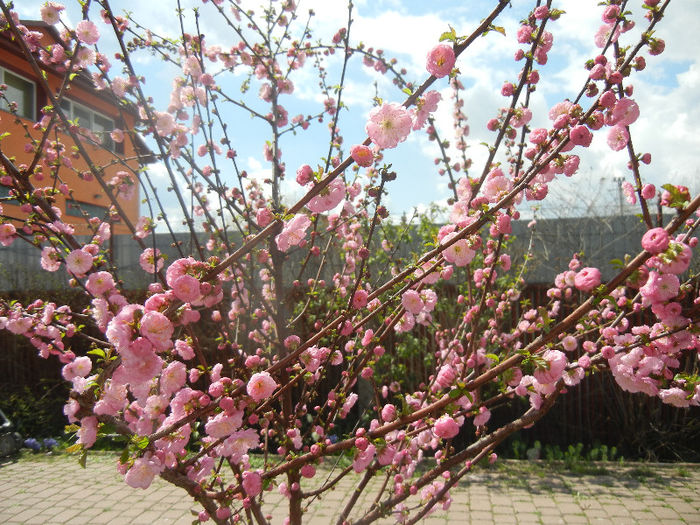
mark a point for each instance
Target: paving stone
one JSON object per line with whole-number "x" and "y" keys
{"x": 575, "y": 519}
{"x": 38, "y": 493}
{"x": 527, "y": 517}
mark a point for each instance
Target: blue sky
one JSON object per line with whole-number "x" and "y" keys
{"x": 667, "y": 91}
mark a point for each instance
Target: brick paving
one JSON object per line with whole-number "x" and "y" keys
{"x": 45, "y": 490}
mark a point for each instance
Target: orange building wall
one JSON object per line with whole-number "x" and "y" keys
{"x": 82, "y": 191}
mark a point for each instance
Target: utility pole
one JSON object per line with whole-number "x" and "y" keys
{"x": 618, "y": 181}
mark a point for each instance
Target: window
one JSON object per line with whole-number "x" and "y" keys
{"x": 97, "y": 123}
{"x": 76, "y": 209}
{"x": 20, "y": 91}
{"x": 5, "y": 197}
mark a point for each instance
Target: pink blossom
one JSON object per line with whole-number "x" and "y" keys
{"x": 388, "y": 125}
{"x": 560, "y": 109}
{"x": 85, "y": 57}
{"x": 184, "y": 350}
{"x": 440, "y": 60}
{"x": 660, "y": 287}
{"x": 80, "y": 367}
{"x": 264, "y": 217}
{"x": 482, "y": 417}
{"x": 446, "y": 376}
{"x": 524, "y": 34}
{"x": 252, "y": 483}
{"x": 143, "y": 471}
{"x": 675, "y": 396}
{"x": 618, "y": 137}
{"x": 587, "y": 279}
{"x": 388, "y": 413}
{"x": 555, "y": 365}
{"x": 359, "y": 300}
{"x": 412, "y": 302}
{"x": 569, "y": 343}
{"x": 425, "y": 105}
{"x": 79, "y": 262}
{"x": 625, "y": 112}
{"x": 99, "y": 283}
{"x": 362, "y": 155}
{"x": 293, "y": 232}
{"x": 260, "y": 386}
{"x": 87, "y": 433}
{"x": 581, "y": 136}
{"x": 87, "y": 32}
{"x": 7, "y": 233}
{"x": 239, "y": 443}
{"x": 143, "y": 227}
{"x": 158, "y": 329}
{"x": 223, "y": 424}
{"x": 648, "y": 191}
{"x": 538, "y": 136}
{"x": 308, "y": 471}
{"x": 173, "y": 378}
{"x": 629, "y": 193}
{"x": 496, "y": 187}
{"x": 363, "y": 458}
{"x": 656, "y": 46}
{"x": 304, "y": 175}
{"x": 187, "y": 288}
{"x": 655, "y": 240}
{"x": 675, "y": 260}
{"x": 606, "y": 32}
{"x": 51, "y": 12}
{"x": 348, "y": 404}
{"x": 165, "y": 124}
{"x": 458, "y": 253}
{"x": 611, "y": 13}
{"x": 446, "y": 427}
{"x": 150, "y": 260}
{"x": 521, "y": 117}
{"x": 541, "y": 12}
{"x": 329, "y": 197}
{"x": 139, "y": 366}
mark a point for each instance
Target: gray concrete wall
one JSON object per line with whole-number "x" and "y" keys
{"x": 602, "y": 239}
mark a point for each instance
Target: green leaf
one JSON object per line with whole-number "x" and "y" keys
{"x": 74, "y": 448}
{"x": 617, "y": 263}
{"x": 678, "y": 198}
{"x": 83, "y": 458}
{"x": 455, "y": 393}
{"x": 498, "y": 29}
{"x": 140, "y": 441}
{"x": 98, "y": 352}
{"x": 450, "y": 35}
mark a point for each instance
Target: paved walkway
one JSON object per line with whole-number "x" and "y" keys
{"x": 56, "y": 490}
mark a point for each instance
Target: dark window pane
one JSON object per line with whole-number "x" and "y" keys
{"x": 21, "y": 92}
{"x": 75, "y": 209}
{"x": 103, "y": 127}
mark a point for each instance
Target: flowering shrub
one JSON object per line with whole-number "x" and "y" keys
{"x": 260, "y": 338}
{"x": 47, "y": 444}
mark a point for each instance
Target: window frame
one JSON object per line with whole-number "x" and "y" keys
{"x": 33, "y": 96}
{"x": 75, "y": 208}
{"x": 107, "y": 142}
